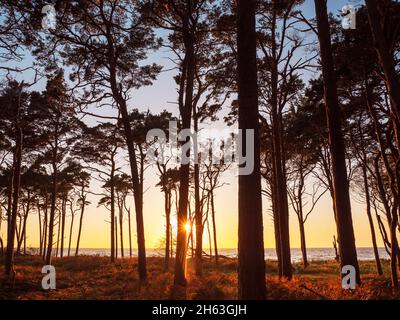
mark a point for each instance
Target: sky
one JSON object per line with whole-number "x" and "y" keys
{"x": 320, "y": 226}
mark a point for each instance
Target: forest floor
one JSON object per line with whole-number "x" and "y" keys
{"x": 89, "y": 277}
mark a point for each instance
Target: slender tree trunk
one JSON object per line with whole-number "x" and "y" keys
{"x": 282, "y": 205}
{"x": 116, "y": 236}
{"x": 121, "y": 232}
{"x": 130, "y": 232}
{"x": 16, "y": 180}
{"x": 40, "y": 231}
{"x": 214, "y": 226}
{"x": 167, "y": 207}
{"x": 63, "y": 214}
{"x": 71, "y": 228}
{"x": 58, "y": 232}
{"x": 371, "y": 222}
{"x": 112, "y": 205}
{"x": 387, "y": 62}
{"x": 303, "y": 240}
{"x": 24, "y": 219}
{"x": 45, "y": 226}
{"x": 137, "y": 193}
{"x": 347, "y": 246}
{"x": 80, "y": 222}
{"x": 186, "y": 115}
{"x": 198, "y": 215}
{"x": 251, "y": 243}
{"x": 53, "y": 202}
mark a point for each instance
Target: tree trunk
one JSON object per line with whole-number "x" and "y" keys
{"x": 121, "y": 232}
{"x": 116, "y": 236}
{"x": 251, "y": 243}
{"x": 53, "y": 201}
{"x": 80, "y": 222}
{"x": 371, "y": 222}
{"x": 387, "y": 62}
{"x": 58, "y": 231}
{"x": 303, "y": 241}
{"x": 214, "y": 226}
{"x": 130, "y": 232}
{"x": 282, "y": 205}
{"x": 167, "y": 207}
{"x": 112, "y": 205}
{"x": 198, "y": 215}
{"x": 16, "y": 181}
{"x": 45, "y": 226}
{"x": 40, "y": 231}
{"x": 347, "y": 247}
{"x": 186, "y": 114}
{"x": 71, "y": 228}
{"x": 137, "y": 193}
{"x": 63, "y": 215}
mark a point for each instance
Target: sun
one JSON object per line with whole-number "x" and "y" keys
{"x": 187, "y": 227}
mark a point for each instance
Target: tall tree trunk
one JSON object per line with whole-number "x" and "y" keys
{"x": 130, "y": 232}
{"x": 167, "y": 207}
{"x": 53, "y": 201}
{"x": 214, "y": 226}
{"x": 387, "y": 62}
{"x": 58, "y": 232}
{"x": 80, "y": 221}
{"x": 137, "y": 193}
{"x": 198, "y": 215}
{"x": 45, "y": 226}
{"x": 303, "y": 240}
{"x": 63, "y": 215}
{"x": 188, "y": 74}
{"x": 251, "y": 243}
{"x": 71, "y": 228}
{"x": 16, "y": 181}
{"x": 282, "y": 205}
{"x": 121, "y": 232}
{"x": 40, "y": 231}
{"x": 112, "y": 205}
{"x": 116, "y": 236}
{"x": 371, "y": 221}
{"x": 345, "y": 231}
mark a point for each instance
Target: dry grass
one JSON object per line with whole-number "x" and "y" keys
{"x": 89, "y": 277}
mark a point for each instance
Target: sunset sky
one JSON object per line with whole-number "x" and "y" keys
{"x": 320, "y": 226}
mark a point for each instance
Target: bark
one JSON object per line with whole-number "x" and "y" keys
{"x": 251, "y": 244}
{"x": 371, "y": 222}
{"x": 40, "y": 232}
{"x": 71, "y": 228}
{"x": 188, "y": 74}
{"x": 128, "y": 134}
{"x": 282, "y": 205}
{"x": 121, "y": 232}
{"x": 344, "y": 222}
{"x": 63, "y": 214}
{"x": 198, "y": 212}
{"x": 387, "y": 62}
{"x": 167, "y": 208}
{"x": 83, "y": 198}
{"x": 53, "y": 200}
{"x": 112, "y": 205}
{"x": 130, "y": 232}
{"x": 16, "y": 181}
{"x": 214, "y": 226}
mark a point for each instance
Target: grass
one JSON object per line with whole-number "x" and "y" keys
{"x": 91, "y": 277}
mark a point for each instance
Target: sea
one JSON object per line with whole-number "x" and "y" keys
{"x": 269, "y": 253}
